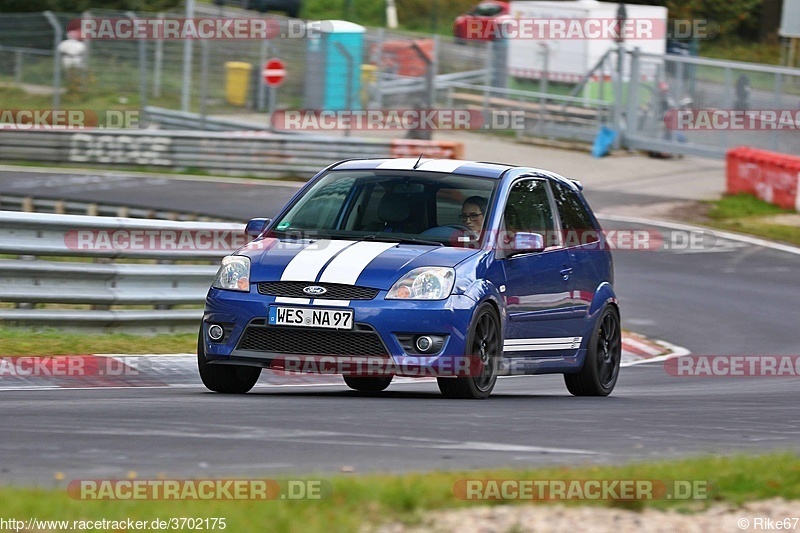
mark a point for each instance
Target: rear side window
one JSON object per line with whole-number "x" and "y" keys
{"x": 575, "y": 218}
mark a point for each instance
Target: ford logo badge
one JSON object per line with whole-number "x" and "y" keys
{"x": 314, "y": 290}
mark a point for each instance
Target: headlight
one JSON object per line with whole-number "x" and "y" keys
{"x": 234, "y": 274}
{"x": 426, "y": 283}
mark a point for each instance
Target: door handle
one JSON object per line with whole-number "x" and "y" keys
{"x": 565, "y": 273}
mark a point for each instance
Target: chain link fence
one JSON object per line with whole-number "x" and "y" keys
{"x": 679, "y": 104}
{"x": 401, "y": 70}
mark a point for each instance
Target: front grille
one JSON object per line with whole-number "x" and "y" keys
{"x": 287, "y": 340}
{"x": 336, "y": 291}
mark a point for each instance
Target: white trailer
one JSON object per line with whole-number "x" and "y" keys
{"x": 571, "y": 37}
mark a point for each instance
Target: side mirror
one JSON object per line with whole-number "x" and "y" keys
{"x": 525, "y": 243}
{"x": 256, "y": 226}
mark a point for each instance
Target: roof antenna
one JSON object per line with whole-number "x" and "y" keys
{"x": 418, "y": 160}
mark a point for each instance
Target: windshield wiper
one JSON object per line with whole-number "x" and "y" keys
{"x": 401, "y": 240}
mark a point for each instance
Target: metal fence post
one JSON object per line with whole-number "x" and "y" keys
{"x": 58, "y": 35}
{"x": 142, "y": 76}
{"x": 261, "y": 97}
{"x": 349, "y": 86}
{"x": 487, "y": 79}
{"x": 728, "y": 99}
{"x": 158, "y": 62}
{"x": 379, "y": 62}
{"x": 778, "y": 92}
{"x": 619, "y": 97}
{"x": 88, "y": 52}
{"x": 429, "y": 91}
{"x": 633, "y": 93}
{"x": 544, "y": 79}
{"x": 203, "y": 82}
{"x": 187, "y": 62}
{"x": 432, "y": 71}
{"x": 18, "y": 66}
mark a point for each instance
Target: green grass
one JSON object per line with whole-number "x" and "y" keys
{"x": 743, "y": 213}
{"x": 359, "y": 501}
{"x": 739, "y": 50}
{"x": 29, "y": 341}
{"x": 743, "y": 206}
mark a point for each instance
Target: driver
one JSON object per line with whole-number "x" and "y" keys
{"x": 472, "y": 213}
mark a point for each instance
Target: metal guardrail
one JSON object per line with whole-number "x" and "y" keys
{"x": 30, "y": 204}
{"x": 78, "y": 292}
{"x": 181, "y": 120}
{"x": 392, "y": 84}
{"x": 546, "y": 115}
{"x": 254, "y": 153}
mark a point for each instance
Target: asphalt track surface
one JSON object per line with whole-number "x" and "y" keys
{"x": 726, "y": 298}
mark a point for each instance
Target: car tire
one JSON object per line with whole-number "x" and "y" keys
{"x": 226, "y": 379}
{"x": 484, "y": 342}
{"x": 600, "y": 371}
{"x": 366, "y": 384}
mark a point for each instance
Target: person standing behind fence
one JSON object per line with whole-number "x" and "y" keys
{"x": 72, "y": 53}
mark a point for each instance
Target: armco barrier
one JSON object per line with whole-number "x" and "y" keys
{"x": 112, "y": 293}
{"x": 771, "y": 176}
{"x": 256, "y": 153}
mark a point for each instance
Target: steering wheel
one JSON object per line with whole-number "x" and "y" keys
{"x": 461, "y": 227}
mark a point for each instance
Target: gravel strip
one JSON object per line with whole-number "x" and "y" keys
{"x": 556, "y": 519}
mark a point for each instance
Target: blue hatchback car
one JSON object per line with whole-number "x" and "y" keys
{"x": 419, "y": 267}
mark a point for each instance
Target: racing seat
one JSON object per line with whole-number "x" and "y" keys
{"x": 394, "y": 211}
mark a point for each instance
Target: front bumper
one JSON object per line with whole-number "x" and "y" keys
{"x": 387, "y": 319}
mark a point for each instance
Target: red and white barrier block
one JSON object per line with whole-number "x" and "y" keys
{"x": 773, "y": 177}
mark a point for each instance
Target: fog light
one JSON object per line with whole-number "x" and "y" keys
{"x": 424, "y": 343}
{"x": 215, "y": 332}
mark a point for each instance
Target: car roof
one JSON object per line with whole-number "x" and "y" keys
{"x": 447, "y": 166}
{"x": 479, "y": 169}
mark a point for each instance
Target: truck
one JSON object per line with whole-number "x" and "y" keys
{"x": 562, "y": 41}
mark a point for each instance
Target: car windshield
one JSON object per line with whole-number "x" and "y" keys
{"x": 488, "y": 10}
{"x": 404, "y": 206}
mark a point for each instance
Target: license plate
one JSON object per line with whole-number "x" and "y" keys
{"x": 310, "y": 317}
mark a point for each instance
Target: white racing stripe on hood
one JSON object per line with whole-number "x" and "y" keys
{"x": 307, "y": 264}
{"x": 348, "y": 266}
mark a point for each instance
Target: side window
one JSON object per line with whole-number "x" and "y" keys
{"x": 575, "y": 219}
{"x": 528, "y": 210}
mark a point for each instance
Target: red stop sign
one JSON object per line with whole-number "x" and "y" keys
{"x": 274, "y": 72}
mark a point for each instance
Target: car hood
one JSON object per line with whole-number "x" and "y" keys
{"x": 364, "y": 263}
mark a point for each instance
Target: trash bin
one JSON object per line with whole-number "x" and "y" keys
{"x": 369, "y": 75}
{"x": 237, "y": 79}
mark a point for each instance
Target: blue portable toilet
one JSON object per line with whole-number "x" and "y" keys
{"x": 327, "y": 81}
